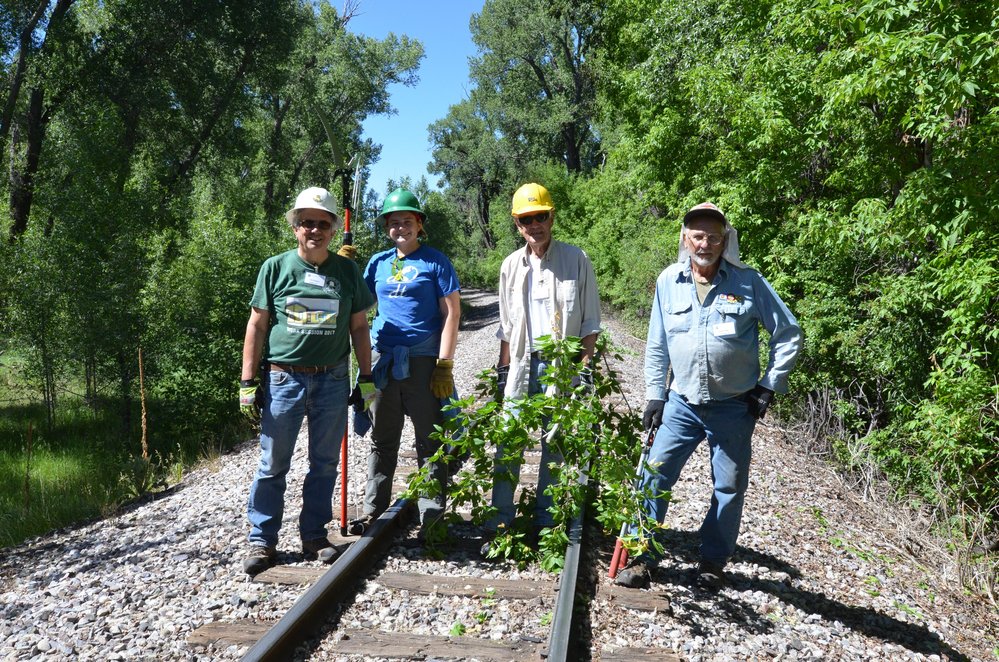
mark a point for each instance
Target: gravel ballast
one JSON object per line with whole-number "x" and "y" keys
{"x": 819, "y": 573}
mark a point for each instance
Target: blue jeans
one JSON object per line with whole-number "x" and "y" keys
{"x": 728, "y": 427}
{"x": 503, "y": 486}
{"x": 293, "y": 396}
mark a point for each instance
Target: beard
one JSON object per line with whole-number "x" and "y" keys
{"x": 705, "y": 260}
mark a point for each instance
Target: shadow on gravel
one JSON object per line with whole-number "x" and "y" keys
{"x": 479, "y": 314}
{"x": 682, "y": 548}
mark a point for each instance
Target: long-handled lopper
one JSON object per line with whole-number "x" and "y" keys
{"x": 349, "y": 201}
{"x": 620, "y": 557}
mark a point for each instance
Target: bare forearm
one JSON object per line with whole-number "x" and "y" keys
{"x": 451, "y": 311}
{"x": 253, "y": 344}
{"x": 362, "y": 342}
{"x": 589, "y": 347}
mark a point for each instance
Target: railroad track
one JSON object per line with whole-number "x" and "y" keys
{"x": 321, "y": 624}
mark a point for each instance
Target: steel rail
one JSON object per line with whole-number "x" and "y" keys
{"x": 562, "y": 621}
{"x": 311, "y": 611}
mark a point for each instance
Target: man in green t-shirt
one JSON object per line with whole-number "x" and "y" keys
{"x": 307, "y": 308}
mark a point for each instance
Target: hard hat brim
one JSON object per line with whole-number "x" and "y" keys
{"x": 532, "y": 209}
{"x": 380, "y": 221}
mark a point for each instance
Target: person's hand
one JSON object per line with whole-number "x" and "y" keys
{"x": 653, "y": 416}
{"x": 441, "y": 379}
{"x": 584, "y": 377}
{"x": 348, "y": 251}
{"x": 249, "y": 399}
{"x": 758, "y": 401}
{"x": 366, "y": 388}
{"x": 502, "y": 373}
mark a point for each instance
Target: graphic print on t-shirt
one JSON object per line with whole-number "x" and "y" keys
{"x": 311, "y": 316}
{"x": 402, "y": 274}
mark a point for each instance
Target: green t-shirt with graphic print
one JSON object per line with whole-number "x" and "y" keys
{"x": 310, "y": 307}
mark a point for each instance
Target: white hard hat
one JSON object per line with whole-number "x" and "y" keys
{"x": 314, "y": 197}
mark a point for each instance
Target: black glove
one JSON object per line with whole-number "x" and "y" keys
{"x": 502, "y": 372}
{"x": 584, "y": 377}
{"x": 653, "y": 416}
{"x": 355, "y": 398}
{"x": 758, "y": 400}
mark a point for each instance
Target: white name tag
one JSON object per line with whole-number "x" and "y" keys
{"x": 724, "y": 329}
{"x": 312, "y": 278}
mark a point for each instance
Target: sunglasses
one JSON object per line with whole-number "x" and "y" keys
{"x": 524, "y": 221}
{"x": 309, "y": 224}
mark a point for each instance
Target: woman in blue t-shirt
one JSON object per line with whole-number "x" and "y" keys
{"x": 413, "y": 338}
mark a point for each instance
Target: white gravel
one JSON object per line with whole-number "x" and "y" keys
{"x": 819, "y": 574}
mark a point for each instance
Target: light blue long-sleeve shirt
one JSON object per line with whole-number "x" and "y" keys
{"x": 714, "y": 348}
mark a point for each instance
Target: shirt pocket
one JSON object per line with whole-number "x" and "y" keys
{"x": 737, "y": 313}
{"x": 678, "y": 317}
{"x": 567, "y": 291}
{"x": 731, "y": 309}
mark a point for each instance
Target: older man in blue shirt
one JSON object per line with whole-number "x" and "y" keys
{"x": 703, "y": 380}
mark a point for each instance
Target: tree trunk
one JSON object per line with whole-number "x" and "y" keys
{"x": 22, "y": 190}
{"x": 271, "y": 207}
{"x": 17, "y": 75}
{"x": 482, "y": 212}
{"x": 573, "y": 163}
{"x": 208, "y": 128}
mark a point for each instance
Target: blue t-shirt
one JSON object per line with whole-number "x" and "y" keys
{"x": 408, "y": 290}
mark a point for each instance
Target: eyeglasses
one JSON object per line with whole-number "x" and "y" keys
{"x": 533, "y": 218}
{"x": 310, "y": 224}
{"x": 706, "y": 237}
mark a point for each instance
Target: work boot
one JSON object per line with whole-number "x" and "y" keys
{"x": 319, "y": 549}
{"x": 711, "y": 575}
{"x": 259, "y": 559}
{"x": 637, "y": 574}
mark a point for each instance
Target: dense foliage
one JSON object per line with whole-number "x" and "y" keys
{"x": 152, "y": 148}
{"x": 853, "y": 143}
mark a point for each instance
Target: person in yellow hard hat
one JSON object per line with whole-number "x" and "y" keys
{"x": 546, "y": 288}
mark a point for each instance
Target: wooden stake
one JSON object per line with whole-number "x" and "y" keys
{"x": 142, "y": 398}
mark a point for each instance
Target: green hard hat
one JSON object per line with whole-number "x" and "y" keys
{"x": 400, "y": 200}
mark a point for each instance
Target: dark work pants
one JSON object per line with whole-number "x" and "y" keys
{"x": 398, "y": 399}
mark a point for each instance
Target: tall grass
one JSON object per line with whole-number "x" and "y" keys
{"x": 86, "y": 465}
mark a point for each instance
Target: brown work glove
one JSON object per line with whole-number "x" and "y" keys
{"x": 441, "y": 380}
{"x": 348, "y": 251}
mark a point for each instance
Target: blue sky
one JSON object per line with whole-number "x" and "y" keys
{"x": 442, "y": 27}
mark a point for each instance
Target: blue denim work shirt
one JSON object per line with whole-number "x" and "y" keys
{"x": 714, "y": 348}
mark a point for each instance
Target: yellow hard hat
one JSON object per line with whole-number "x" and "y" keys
{"x": 530, "y": 199}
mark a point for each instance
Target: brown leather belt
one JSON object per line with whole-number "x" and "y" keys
{"x": 308, "y": 369}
